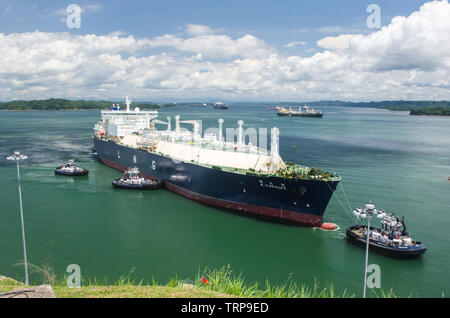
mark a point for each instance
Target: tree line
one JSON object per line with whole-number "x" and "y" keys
{"x": 435, "y": 111}
{"x": 61, "y": 104}
{"x": 391, "y": 105}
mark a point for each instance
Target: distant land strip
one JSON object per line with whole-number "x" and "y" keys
{"x": 431, "y": 111}
{"x": 65, "y": 104}
{"x": 391, "y": 105}
{"x": 433, "y": 108}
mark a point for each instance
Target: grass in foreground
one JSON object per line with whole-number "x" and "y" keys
{"x": 222, "y": 282}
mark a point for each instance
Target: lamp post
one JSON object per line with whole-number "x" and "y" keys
{"x": 367, "y": 212}
{"x": 17, "y": 156}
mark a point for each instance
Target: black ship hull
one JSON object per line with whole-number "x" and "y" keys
{"x": 301, "y": 201}
{"x": 300, "y": 115}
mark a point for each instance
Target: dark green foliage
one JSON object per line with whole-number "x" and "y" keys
{"x": 59, "y": 104}
{"x": 225, "y": 281}
{"x": 435, "y": 111}
{"x": 391, "y": 105}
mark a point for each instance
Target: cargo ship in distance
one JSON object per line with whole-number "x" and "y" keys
{"x": 230, "y": 175}
{"x": 284, "y": 112}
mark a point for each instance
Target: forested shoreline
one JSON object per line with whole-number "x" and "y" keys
{"x": 432, "y": 108}
{"x": 65, "y": 104}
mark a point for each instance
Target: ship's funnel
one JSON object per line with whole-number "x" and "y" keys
{"x": 240, "y": 133}
{"x": 128, "y": 102}
{"x": 220, "y": 130}
{"x": 274, "y": 142}
{"x": 196, "y": 130}
{"x": 177, "y": 125}
{"x": 169, "y": 127}
{"x": 274, "y": 148}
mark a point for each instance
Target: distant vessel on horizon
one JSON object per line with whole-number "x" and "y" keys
{"x": 199, "y": 105}
{"x": 219, "y": 105}
{"x": 307, "y": 112}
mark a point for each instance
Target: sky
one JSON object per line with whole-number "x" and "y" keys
{"x": 247, "y": 50}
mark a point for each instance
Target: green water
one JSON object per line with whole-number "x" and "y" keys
{"x": 400, "y": 162}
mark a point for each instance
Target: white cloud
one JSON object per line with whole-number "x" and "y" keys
{"x": 117, "y": 33}
{"x": 334, "y": 29}
{"x": 295, "y": 43}
{"x": 198, "y": 29}
{"x": 215, "y": 46}
{"x": 420, "y": 41}
{"x": 408, "y": 59}
{"x": 336, "y": 42}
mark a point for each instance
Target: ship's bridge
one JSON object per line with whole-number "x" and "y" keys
{"x": 124, "y": 122}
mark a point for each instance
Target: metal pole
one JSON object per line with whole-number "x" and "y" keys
{"x": 23, "y": 228}
{"x": 367, "y": 254}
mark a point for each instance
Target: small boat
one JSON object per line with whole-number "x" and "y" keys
{"x": 387, "y": 239}
{"x": 71, "y": 169}
{"x": 132, "y": 180}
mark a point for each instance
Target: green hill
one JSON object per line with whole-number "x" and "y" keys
{"x": 61, "y": 104}
{"x": 431, "y": 111}
{"x": 391, "y": 105}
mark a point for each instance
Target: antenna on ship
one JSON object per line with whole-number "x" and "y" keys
{"x": 128, "y": 102}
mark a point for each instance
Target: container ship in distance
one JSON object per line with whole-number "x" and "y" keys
{"x": 208, "y": 169}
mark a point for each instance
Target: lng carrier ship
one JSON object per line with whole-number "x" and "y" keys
{"x": 231, "y": 175}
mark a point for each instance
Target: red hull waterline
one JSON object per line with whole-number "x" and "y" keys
{"x": 298, "y": 217}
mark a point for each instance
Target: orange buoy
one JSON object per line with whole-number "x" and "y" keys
{"x": 328, "y": 226}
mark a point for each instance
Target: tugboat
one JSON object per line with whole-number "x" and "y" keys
{"x": 387, "y": 239}
{"x": 132, "y": 180}
{"x": 71, "y": 169}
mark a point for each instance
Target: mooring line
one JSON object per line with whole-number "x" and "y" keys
{"x": 348, "y": 202}
{"x": 343, "y": 206}
{"x": 346, "y": 197}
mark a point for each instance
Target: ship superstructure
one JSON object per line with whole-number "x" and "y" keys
{"x": 207, "y": 168}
